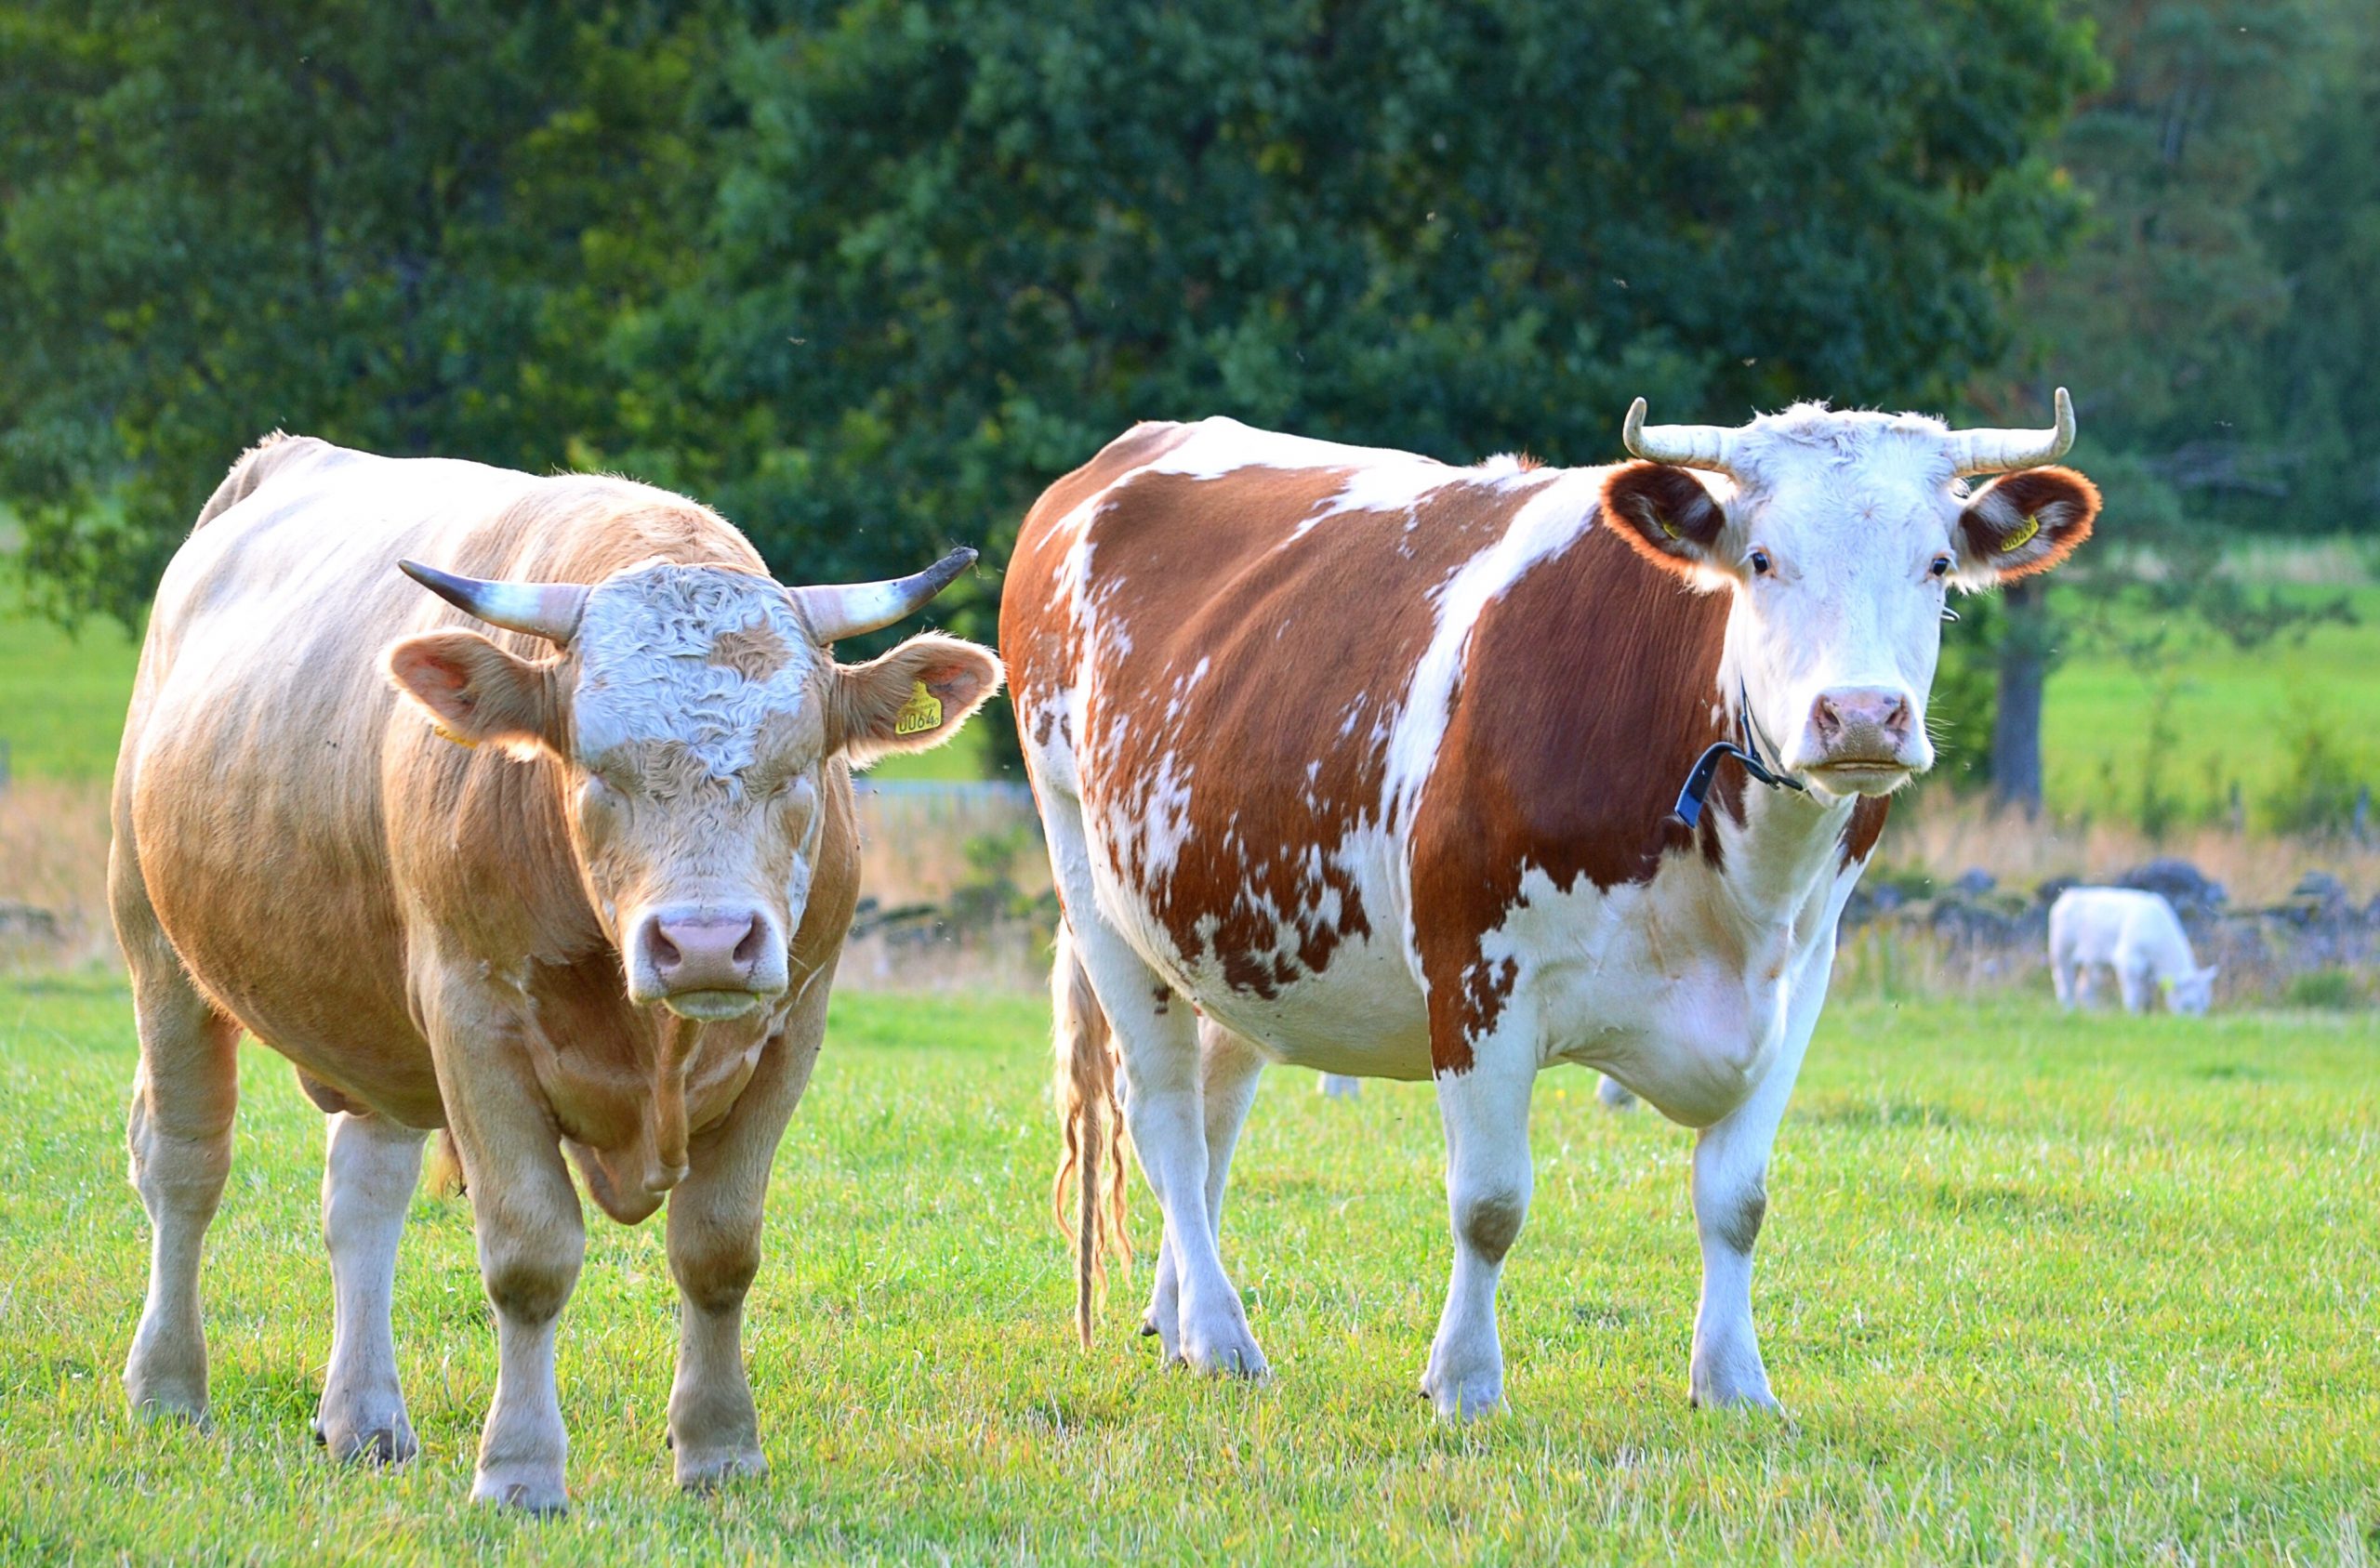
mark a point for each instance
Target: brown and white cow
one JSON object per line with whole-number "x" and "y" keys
{"x": 577, "y": 887}
{"x": 1356, "y": 760}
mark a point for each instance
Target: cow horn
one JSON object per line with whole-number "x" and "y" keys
{"x": 1992, "y": 452}
{"x": 852, "y": 608}
{"x": 1689, "y": 446}
{"x": 546, "y": 610}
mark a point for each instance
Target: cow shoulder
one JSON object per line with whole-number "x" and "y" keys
{"x": 1590, "y": 687}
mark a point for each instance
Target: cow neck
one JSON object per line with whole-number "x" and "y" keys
{"x": 1744, "y": 748}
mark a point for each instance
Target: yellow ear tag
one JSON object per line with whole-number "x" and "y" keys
{"x": 920, "y": 713}
{"x": 1665, "y": 525}
{"x": 2022, "y": 537}
{"x": 446, "y": 734}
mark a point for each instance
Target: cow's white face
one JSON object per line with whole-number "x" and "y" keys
{"x": 1839, "y": 538}
{"x": 2194, "y": 993}
{"x": 693, "y": 716}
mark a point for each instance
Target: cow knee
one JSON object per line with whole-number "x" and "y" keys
{"x": 715, "y": 1276}
{"x": 183, "y": 1171}
{"x": 1490, "y": 1221}
{"x": 529, "y": 1286}
{"x": 1736, "y": 1224}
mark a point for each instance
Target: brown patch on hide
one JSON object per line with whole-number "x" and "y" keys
{"x": 1867, "y": 826}
{"x": 1587, "y": 696}
{"x": 1036, "y": 638}
{"x": 666, "y": 770}
{"x": 1309, "y": 646}
{"x": 754, "y": 651}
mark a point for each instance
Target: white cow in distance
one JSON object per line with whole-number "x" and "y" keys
{"x": 2135, "y": 933}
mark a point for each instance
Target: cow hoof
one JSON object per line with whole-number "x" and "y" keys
{"x": 157, "y": 1390}
{"x": 1225, "y": 1353}
{"x": 1465, "y": 1399}
{"x": 1757, "y": 1401}
{"x": 704, "y": 1469}
{"x": 386, "y": 1441}
{"x": 538, "y": 1497}
{"x": 1461, "y": 1381}
{"x": 183, "y": 1405}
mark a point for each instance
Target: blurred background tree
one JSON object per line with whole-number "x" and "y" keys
{"x": 2217, "y": 321}
{"x": 869, "y": 274}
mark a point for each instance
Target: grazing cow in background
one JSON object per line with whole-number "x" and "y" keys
{"x": 578, "y": 888}
{"x": 1371, "y": 761}
{"x": 2135, "y": 934}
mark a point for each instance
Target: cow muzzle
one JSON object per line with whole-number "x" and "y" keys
{"x": 705, "y": 962}
{"x": 1863, "y": 740}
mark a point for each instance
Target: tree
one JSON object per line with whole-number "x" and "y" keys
{"x": 401, "y": 227}
{"x": 2171, "y": 313}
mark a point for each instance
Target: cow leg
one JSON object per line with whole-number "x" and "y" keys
{"x": 368, "y": 1178}
{"x": 1158, "y": 1042}
{"x": 1615, "y": 1095}
{"x": 178, "y": 1131}
{"x": 1731, "y": 1201}
{"x": 532, "y": 1238}
{"x": 1229, "y": 1069}
{"x": 1488, "y": 1178}
{"x": 2137, "y": 987}
{"x": 2065, "y": 979}
{"x": 715, "y": 1220}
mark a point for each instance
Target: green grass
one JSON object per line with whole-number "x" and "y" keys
{"x": 2031, "y": 1289}
{"x": 62, "y": 698}
{"x": 2236, "y": 716}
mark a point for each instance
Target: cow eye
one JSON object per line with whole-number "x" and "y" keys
{"x": 1941, "y": 567}
{"x": 1761, "y": 564}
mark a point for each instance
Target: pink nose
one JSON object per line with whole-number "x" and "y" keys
{"x": 706, "y": 953}
{"x": 1862, "y": 721}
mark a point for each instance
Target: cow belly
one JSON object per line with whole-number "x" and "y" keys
{"x": 1360, "y": 1014}
{"x": 265, "y": 880}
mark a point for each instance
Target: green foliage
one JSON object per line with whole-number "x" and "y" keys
{"x": 2215, "y": 320}
{"x": 2032, "y": 1289}
{"x": 1959, "y": 713}
{"x": 2333, "y": 990}
{"x": 406, "y": 227}
{"x": 869, "y": 274}
{"x": 1456, "y": 230}
{"x": 2318, "y": 791}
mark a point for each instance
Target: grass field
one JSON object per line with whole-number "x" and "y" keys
{"x": 2033, "y": 1290}
{"x": 2236, "y": 716}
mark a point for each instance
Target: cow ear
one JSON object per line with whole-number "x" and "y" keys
{"x": 475, "y": 691}
{"x": 1665, "y": 515}
{"x": 912, "y": 698}
{"x": 2024, "y": 522}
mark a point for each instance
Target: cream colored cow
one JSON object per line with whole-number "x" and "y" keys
{"x": 573, "y": 891}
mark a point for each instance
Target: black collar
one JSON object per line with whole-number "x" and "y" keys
{"x": 1698, "y": 783}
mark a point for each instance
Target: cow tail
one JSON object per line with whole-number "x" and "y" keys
{"x": 1090, "y": 1117}
{"x": 443, "y": 1170}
